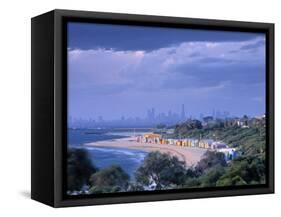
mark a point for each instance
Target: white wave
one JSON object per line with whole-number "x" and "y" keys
{"x": 118, "y": 151}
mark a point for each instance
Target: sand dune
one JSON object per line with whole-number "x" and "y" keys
{"x": 190, "y": 155}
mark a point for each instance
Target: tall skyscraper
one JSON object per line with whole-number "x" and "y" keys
{"x": 100, "y": 119}
{"x": 153, "y": 113}
{"x": 182, "y": 112}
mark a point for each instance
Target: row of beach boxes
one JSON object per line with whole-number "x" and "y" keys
{"x": 205, "y": 143}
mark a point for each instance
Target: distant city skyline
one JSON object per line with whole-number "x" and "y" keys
{"x": 152, "y": 114}
{"x": 151, "y": 119}
{"x": 118, "y": 72}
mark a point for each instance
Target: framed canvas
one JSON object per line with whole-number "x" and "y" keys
{"x": 134, "y": 108}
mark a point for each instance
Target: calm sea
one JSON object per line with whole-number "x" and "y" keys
{"x": 103, "y": 157}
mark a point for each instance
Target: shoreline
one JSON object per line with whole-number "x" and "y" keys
{"x": 189, "y": 155}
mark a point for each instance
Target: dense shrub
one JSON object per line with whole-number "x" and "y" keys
{"x": 79, "y": 169}
{"x": 160, "y": 171}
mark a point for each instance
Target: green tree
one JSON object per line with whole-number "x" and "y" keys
{"x": 231, "y": 181}
{"x": 79, "y": 169}
{"x": 211, "y": 159}
{"x": 244, "y": 170}
{"x": 111, "y": 179}
{"x": 207, "y": 179}
{"x": 210, "y": 178}
{"x": 160, "y": 170}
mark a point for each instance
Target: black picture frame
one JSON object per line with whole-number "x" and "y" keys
{"x": 49, "y": 107}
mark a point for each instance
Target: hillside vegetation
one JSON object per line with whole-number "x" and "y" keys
{"x": 248, "y": 168}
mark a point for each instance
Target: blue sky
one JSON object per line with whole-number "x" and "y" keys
{"x": 119, "y": 70}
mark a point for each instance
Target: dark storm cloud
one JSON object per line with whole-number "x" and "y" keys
{"x": 122, "y": 37}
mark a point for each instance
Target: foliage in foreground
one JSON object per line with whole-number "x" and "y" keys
{"x": 108, "y": 180}
{"x": 160, "y": 171}
{"x": 79, "y": 169}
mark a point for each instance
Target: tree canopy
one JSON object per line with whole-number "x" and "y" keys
{"x": 111, "y": 179}
{"x": 79, "y": 169}
{"x": 210, "y": 160}
{"x": 160, "y": 171}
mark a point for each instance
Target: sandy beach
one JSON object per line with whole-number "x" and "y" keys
{"x": 190, "y": 155}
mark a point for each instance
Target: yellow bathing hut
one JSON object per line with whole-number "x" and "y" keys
{"x": 152, "y": 138}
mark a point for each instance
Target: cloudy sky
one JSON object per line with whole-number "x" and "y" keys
{"x": 119, "y": 70}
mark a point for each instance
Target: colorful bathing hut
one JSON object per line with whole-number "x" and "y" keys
{"x": 156, "y": 138}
